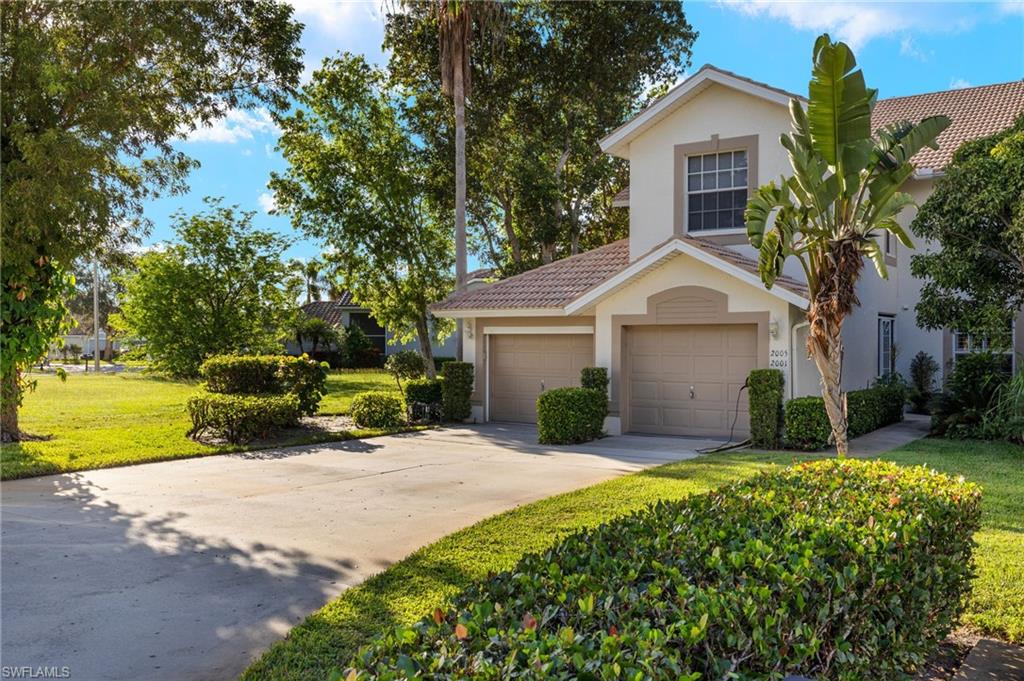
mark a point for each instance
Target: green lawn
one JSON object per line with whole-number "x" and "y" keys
{"x": 116, "y": 419}
{"x": 411, "y": 588}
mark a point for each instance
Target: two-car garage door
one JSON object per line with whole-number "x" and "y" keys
{"x": 524, "y": 365}
{"x": 685, "y": 379}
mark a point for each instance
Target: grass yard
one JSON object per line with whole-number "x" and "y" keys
{"x": 116, "y": 419}
{"x": 411, "y": 588}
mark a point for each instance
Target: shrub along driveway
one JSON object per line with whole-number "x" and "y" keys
{"x": 188, "y": 569}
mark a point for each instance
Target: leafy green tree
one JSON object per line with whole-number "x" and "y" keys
{"x": 94, "y": 93}
{"x": 220, "y": 289}
{"x": 974, "y": 282}
{"x": 357, "y": 180}
{"x": 842, "y": 197}
{"x": 538, "y": 185}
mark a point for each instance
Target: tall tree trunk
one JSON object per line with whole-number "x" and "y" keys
{"x": 426, "y": 350}
{"x": 459, "y": 97}
{"x": 9, "y": 431}
{"x": 510, "y": 234}
{"x": 825, "y": 346}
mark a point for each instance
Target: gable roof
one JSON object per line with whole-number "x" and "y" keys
{"x": 617, "y": 141}
{"x": 975, "y": 112}
{"x": 330, "y": 310}
{"x": 565, "y": 286}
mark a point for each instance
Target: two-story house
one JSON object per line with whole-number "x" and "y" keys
{"x": 677, "y": 312}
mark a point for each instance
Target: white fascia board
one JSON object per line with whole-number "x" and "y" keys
{"x": 503, "y": 312}
{"x": 506, "y": 330}
{"x": 616, "y": 142}
{"x": 668, "y": 250}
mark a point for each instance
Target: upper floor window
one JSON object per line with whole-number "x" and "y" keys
{"x": 716, "y": 189}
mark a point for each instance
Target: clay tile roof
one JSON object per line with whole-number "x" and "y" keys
{"x": 749, "y": 264}
{"x": 975, "y": 112}
{"x": 622, "y": 198}
{"x": 553, "y": 285}
{"x": 330, "y": 310}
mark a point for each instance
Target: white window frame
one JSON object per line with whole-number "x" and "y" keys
{"x": 890, "y": 321}
{"x": 983, "y": 346}
{"x": 695, "y": 192}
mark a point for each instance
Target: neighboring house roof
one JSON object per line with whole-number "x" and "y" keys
{"x": 481, "y": 274}
{"x": 621, "y": 200}
{"x": 330, "y": 310}
{"x": 975, "y": 112}
{"x": 617, "y": 141}
{"x": 565, "y": 282}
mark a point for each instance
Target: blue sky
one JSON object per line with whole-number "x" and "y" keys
{"x": 904, "y": 48}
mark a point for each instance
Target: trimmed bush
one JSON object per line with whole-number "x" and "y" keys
{"x": 808, "y": 427}
{"x": 268, "y": 375}
{"x": 457, "y": 387}
{"x": 240, "y": 418}
{"x": 377, "y": 409}
{"x": 570, "y": 415}
{"x": 423, "y": 398}
{"x": 595, "y": 378}
{"x": 766, "y": 395}
{"x": 838, "y": 569}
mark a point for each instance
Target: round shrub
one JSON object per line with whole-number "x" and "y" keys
{"x": 405, "y": 365}
{"x": 570, "y": 415}
{"x": 240, "y": 418}
{"x": 378, "y": 409}
{"x": 305, "y": 378}
{"x": 456, "y": 389}
{"x": 838, "y": 569}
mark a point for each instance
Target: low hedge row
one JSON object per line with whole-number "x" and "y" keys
{"x": 378, "y": 409}
{"x": 571, "y": 415}
{"x": 838, "y": 569}
{"x": 240, "y": 418}
{"x": 268, "y": 375}
{"x": 808, "y": 427}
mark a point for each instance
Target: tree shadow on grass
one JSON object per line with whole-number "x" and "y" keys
{"x": 91, "y": 582}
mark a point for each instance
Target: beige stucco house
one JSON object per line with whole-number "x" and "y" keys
{"x": 677, "y": 312}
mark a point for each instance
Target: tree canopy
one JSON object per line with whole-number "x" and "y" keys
{"x": 358, "y": 180}
{"x": 564, "y": 75}
{"x": 94, "y": 93}
{"x": 221, "y": 288}
{"x": 974, "y": 282}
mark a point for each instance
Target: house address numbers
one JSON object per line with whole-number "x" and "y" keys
{"x": 778, "y": 359}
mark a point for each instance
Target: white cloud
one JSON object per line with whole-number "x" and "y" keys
{"x": 246, "y": 152}
{"x": 857, "y": 23}
{"x": 335, "y": 16}
{"x": 237, "y": 125}
{"x": 1011, "y": 6}
{"x": 908, "y": 48}
{"x": 267, "y": 202}
{"x": 958, "y": 83}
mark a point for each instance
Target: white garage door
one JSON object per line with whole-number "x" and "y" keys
{"x": 522, "y": 365}
{"x": 684, "y": 380}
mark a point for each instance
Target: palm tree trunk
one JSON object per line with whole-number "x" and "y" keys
{"x": 459, "y": 97}
{"x": 825, "y": 346}
{"x": 9, "y": 431}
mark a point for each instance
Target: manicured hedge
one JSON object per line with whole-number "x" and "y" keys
{"x": 377, "y": 409}
{"x": 268, "y": 375}
{"x": 808, "y": 427}
{"x": 457, "y": 387}
{"x": 240, "y": 418}
{"x": 595, "y": 378}
{"x": 568, "y": 415}
{"x": 423, "y": 398}
{"x": 838, "y": 569}
{"x": 766, "y": 395}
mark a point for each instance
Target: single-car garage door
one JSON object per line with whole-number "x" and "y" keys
{"x": 684, "y": 380}
{"x": 523, "y": 365}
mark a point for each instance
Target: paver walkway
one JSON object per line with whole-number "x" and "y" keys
{"x": 912, "y": 427}
{"x": 992, "y": 661}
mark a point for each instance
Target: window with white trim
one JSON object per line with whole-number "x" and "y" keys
{"x": 886, "y": 345}
{"x": 967, "y": 344}
{"x": 716, "y": 190}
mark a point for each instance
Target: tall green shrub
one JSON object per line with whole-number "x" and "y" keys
{"x": 457, "y": 387}
{"x": 766, "y": 394}
{"x": 923, "y": 369}
{"x": 571, "y": 415}
{"x": 595, "y": 378}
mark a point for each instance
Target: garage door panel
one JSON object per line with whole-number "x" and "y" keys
{"x": 663, "y": 362}
{"x": 521, "y": 363}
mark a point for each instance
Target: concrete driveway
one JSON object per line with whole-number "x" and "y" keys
{"x": 189, "y": 569}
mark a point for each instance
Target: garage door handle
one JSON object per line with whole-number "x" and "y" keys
{"x": 542, "y": 386}
{"x": 691, "y": 392}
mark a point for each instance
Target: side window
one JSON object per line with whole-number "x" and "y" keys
{"x": 886, "y": 345}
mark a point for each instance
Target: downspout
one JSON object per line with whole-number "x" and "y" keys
{"x": 792, "y": 356}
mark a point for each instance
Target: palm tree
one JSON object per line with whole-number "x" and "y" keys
{"x": 457, "y": 21}
{"x": 311, "y": 272}
{"x": 842, "y": 197}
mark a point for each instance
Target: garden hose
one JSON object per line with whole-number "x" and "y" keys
{"x": 729, "y": 444}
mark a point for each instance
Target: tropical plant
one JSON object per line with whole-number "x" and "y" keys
{"x": 316, "y": 331}
{"x": 842, "y": 197}
{"x": 923, "y": 369}
{"x": 312, "y": 274}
